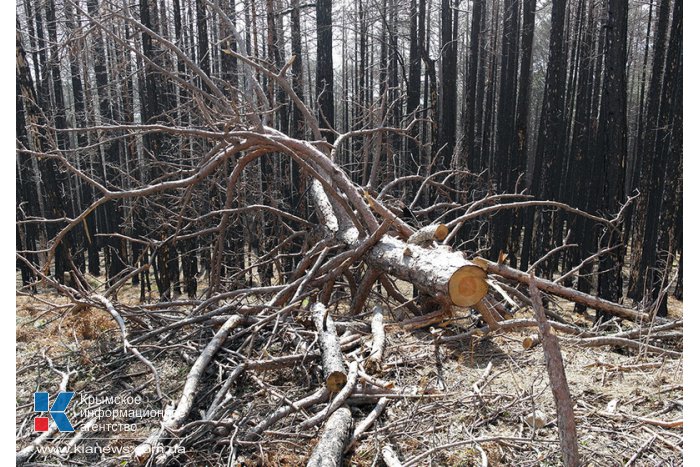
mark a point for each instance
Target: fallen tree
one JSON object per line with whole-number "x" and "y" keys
{"x": 255, "y": 316}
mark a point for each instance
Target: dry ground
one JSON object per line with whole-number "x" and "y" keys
{"x": 619, "y": 394}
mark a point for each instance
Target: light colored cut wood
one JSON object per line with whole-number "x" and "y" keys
{"x": 334, "y": 371}
{"x": 374, "y": 361}
{"x": 531, "y": 341}
{"x": 440, "y": 272}
{"x": 468, "y": 286}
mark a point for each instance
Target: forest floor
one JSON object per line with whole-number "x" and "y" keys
{"x": 622, "y": 398}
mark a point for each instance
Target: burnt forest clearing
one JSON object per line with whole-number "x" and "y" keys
{"x": 361, "y": 232}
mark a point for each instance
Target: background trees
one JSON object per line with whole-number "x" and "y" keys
{"x": 253, "y": 158}
{"x": 563, "y": 101}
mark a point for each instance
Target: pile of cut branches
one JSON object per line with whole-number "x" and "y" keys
{"x": 323, "y": 357}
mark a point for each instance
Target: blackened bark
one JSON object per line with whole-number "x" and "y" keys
{"x": 470, "y": 86}
{"x": 644, "y": 218}
{"x": 519, "y": 160}
{"x": 613, "y": 155}
{"x": 670, "y": 131}
{"x": 501, "y": 170}
{"x": 551, "y": 138}
{"x": 111, "y": 214}
{"x": 202, "y": 37}
{"x": 324, "y": 66}
{"x": 447, "y": 121}
{"x": 40, "y": 140}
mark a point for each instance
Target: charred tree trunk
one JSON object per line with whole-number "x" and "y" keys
{"x": 470, "y": 103}
{"x": 551, "y": 138}
{"x": 613, "y": 156}
{"x": 501, "y": 169}
{"x": 324, "y": 66}
{"x": 447, "y": 120}
{"x": 40, "y": 140}
{"x": 670, "y": 145}
{"x": 645, "y": 225}
{"x": 519, "y": 159}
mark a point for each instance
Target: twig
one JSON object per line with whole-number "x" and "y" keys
{"x": 415, "y": 459}
{"x": 484, "y": 376}
{"x": 280, "y": 413}
{"x": 188, "y": 392}
{"x": 639, "y": 452}
{"x": 127, "y": 345}
{"x": 367, "y": 422}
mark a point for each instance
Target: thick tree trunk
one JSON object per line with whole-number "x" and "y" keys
{"x": 439, "y": 271}
{"x": 551, "y": 138}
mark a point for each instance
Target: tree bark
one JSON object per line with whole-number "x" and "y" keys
{"x": 334, "y": 372}
{"x": 336, "y": 435}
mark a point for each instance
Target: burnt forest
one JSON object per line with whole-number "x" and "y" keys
{"x": 349, "y": 233}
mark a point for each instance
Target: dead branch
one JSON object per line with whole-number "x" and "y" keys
{"x": 564, "y": 292}
{"x": 367, "y": 422}
{"x": 374, "y": 361}
{"x": 429, "y": 234}
{"x": 331, "y": 445}
{"x": 337, "y": 401}
{"x": 334, "y": 372}
{"x": 389, "y": 456}
{"x": 183, "y": 407}
{"x": 566, "y": 421}
{"x": 314, "y": 398}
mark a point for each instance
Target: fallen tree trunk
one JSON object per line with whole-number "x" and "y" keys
{"x": 441, "y": 272}
{"x": 564, "y": 292}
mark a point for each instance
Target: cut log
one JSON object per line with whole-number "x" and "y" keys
{"x": 564, "y": 292}
{"x": 374, "y": 361}
{"x": 334, "y": 371}
{"x": 336, "y": 435}
{"x": 440, "y": 272}
{"x": 422, "y": 321}
{"x": 337, "y": 401}
{"x": 531, "y": 341}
